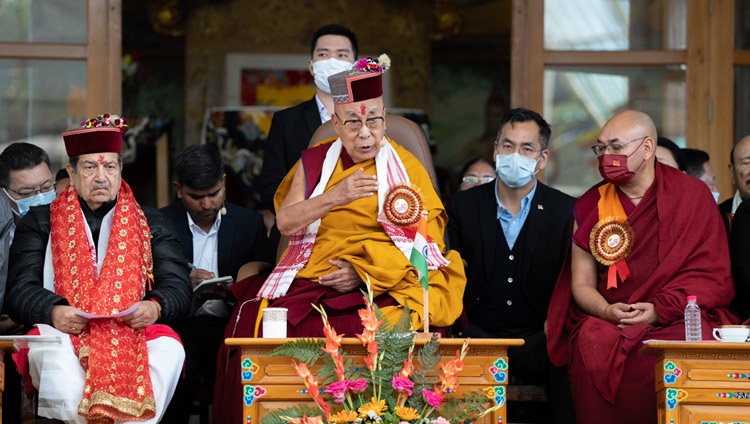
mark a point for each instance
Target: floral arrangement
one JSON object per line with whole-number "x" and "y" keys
{"x": 397, "y": 384}
{"x": 106, "y": 120}
{"x": 368, "y": 64}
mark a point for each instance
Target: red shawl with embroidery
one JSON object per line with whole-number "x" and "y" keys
{"x": 680, "y": 249}
{"x": 113, "y": 355}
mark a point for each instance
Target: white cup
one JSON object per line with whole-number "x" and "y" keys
{"x": 274, "y": 323}
{"x": 732, "y": 333}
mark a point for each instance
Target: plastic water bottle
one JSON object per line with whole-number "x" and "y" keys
{"x": 693, "y": 320}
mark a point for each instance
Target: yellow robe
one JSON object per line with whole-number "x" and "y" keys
{"x": 352, "y": 233}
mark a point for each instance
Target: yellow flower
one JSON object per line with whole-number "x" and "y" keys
{"x": 343, "y": 416}
{"x": 376, "y": 406}
{"x": 405, "y": 413}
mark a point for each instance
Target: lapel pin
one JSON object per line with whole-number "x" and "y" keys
{"x": 540, "y": 207}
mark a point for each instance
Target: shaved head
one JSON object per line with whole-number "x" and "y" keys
{"x": 739, "y": 168}
{"x": 636, "y": 120}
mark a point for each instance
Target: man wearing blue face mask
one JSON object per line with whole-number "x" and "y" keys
{"x": 25, "y": 178}
{"x": 513, "y": 235}
{"x": 333, "y": 49}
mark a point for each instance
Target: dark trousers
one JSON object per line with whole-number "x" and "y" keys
{"x": 530, "y": 363}
{"x": 201, "y": 337}
{"x": 12, "y": 393}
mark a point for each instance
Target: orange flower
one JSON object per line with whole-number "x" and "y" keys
{"x": 312, "y": 385}
{"x": 332, "y": 343}
{"x": 302, "y": 371}
{"x": 370, "y": 323}
{"x": 405, "y": 413}
{"x": 374, "y": 405}
{"x": 450, "y": 372}
{"x": 407, "y": 370}
{"x": 343, "y": 416}
{"x": 312, "y": 420}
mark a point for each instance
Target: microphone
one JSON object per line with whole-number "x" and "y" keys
{"x": 223, "y": 209}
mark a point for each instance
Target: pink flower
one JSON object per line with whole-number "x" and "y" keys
{"x": 433, "y": 399}
{"x": 358, "y": 386}
{"x": 403, "y": 385}
{"x": 440, "y": 420}
{"x": 337, "y": 390}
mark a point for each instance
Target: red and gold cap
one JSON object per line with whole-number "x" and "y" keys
{"x": 97, "y": 135}
{"x": 363, "y": 82}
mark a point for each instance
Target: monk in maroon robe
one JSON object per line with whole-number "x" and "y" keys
{"x": 646, "y": 237}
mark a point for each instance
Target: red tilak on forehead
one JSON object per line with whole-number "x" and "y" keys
{"x": 101, "y": 159}
{"x": 362, "y": 109}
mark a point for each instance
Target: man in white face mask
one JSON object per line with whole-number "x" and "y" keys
{"x": 513, "y": 235}
{"x": 333, "y": 49}
{"x": 25, "y": 178}
{"x": 697, "y": 164}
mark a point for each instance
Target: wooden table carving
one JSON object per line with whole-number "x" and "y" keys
{"x": 702, "y": 382}
{"x": 270, "y": 382}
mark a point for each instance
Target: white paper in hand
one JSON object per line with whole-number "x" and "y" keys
{"x": 128, "y": 311}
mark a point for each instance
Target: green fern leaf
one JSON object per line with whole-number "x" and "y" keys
{"x": 303, "y": 350}
{"x": 297, "y": 411}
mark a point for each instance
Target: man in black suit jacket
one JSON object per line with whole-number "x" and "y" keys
{"x": 217, "y": 238}
{"x": 332, "y": 47}
{"x": 739, "y": 171}
{"x": 513, "y": 235}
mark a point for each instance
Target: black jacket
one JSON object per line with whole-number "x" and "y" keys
{"x": 28, "y": 302}
{"x": 472, "y": 219}
{"x": 242, "y": 237}
{"x": 739, "y": 251}
{"x": 290, "y": 134}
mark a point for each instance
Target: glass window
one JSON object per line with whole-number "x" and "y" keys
{"x": 39, "y": 21}
{"x": 742, "y": 25}
{"x": 578, "y": 101}
{"x": 741, "y": 102}
{"x": 40, "y": 100}
{"x": 609, "y": 25}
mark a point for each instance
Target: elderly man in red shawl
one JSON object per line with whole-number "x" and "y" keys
{"x": 96, "y": 271}
{"x": 645, "y": 238}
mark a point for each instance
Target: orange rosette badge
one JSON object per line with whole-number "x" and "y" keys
{"x": 611, "y": 241}
{"x": 402, "y": 205}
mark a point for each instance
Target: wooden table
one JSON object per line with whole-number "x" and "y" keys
{"x": 702, "y": 382}
{"x": 486, "y": 368}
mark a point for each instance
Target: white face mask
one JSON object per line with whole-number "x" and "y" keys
{"x": 716, "y": 195}
{"x": 323, "y": 69}
{"x": 515, "y": 170}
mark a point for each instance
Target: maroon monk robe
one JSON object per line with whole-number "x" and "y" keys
{"x": 679, "y": 250}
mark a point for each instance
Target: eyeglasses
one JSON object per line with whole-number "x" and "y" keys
{"x": 471, "y": 180}
{"x": 506, "y": 148}
{"x": 600, "y": 149}
{"x": 28, "y": 192}
{"x": 354, "y": 125}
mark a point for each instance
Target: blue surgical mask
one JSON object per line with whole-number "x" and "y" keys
{"x": 323, "y": 69}
{"x": 514, "y": 169}
{"x": 35, "y": 200}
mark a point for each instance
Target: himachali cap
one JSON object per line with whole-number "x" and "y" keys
{"x": 102, "y": 134}
{"x": 363, "y": 82}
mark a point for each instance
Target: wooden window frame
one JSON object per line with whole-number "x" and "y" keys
{"x": 710, "y": 59}
{"x": 102, "y": 53}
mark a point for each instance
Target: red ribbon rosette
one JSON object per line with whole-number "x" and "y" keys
{"x": 402, "y": 205}
{"x": 610, "y": 241}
